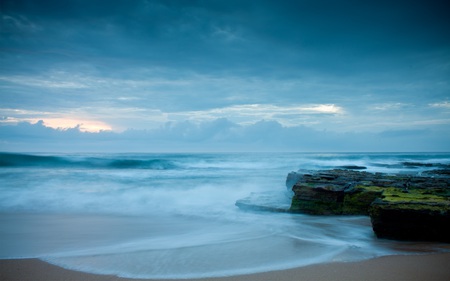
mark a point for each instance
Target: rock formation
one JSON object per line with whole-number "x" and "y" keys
{"x": 401, "y": 206}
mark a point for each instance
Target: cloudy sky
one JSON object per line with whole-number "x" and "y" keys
{"x": 224, "y": 75}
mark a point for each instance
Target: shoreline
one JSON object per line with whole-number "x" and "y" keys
{"x": 398, "y": 267}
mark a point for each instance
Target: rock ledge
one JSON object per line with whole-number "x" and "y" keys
{"x": 401, "y": 206}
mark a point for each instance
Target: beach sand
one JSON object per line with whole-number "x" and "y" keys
{"x": 428, "y": 267}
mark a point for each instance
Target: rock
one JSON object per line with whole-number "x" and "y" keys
{"x": 417, "y": 164}
{"x": 403, "y": 207}
{"x": 357, "y": 201}
{"x": 421, "y": 164}
{"x": 333, "y": 200}
{"x": 347, "y": 192}
{"x": 438, "y": 172}
{"x": 336, "y": 192}
{"x": 317, "y": 200}
{"x": 421, "y": 219}
{"x": 352, "y": 167}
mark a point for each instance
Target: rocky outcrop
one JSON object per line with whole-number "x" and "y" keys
{"x": 419, "y": 214}
{"x": 406, "y": 207}
{"x": 337, "y": 192}
{"x": 401, "y": 206}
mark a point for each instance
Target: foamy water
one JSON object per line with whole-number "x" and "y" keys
{"x": 174, "y": 215}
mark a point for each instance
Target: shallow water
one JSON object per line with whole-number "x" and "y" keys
{"x": 174, "y": 215}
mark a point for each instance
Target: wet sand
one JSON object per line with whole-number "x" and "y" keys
{"x": 428, "y": 267}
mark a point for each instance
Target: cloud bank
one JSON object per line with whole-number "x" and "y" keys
{"x": 219, "y": 135}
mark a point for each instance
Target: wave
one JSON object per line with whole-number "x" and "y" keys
{"x": 45, "y": 161}
{"x": 372, "y": 162}
{"x": 18, "y": 160}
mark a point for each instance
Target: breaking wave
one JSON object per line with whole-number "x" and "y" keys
{"x": 46, "y": 161}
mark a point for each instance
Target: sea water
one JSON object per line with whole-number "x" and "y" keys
{"x": 174, "y": 215}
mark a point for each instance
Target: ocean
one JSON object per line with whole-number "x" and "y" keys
{"x": 174, "y": 215}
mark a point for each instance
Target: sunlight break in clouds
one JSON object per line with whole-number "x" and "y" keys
{"x": 83, "y": 125}
{"x": 55, "y": 120}
{"x": 90, "y": 126}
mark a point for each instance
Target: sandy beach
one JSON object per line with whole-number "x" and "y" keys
{"x": 428, "y": 267}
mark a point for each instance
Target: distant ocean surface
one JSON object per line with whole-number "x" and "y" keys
{"x": 174, "y": 215}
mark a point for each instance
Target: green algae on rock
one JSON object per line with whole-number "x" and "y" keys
{"x": 357, "y": 200}
{"x": 336, "y": 192}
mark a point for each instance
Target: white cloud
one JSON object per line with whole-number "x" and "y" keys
{"x": 389, "y": 106}
{"x": 252, "y": 113}
{"x": 445, "y": 105}
{"x": 148, "y": 98}
{"x": 432, "y": 122}
{"x": 23, "y": 112}
{"x": 50, "y": 82}
{"x": 19, "y": 23}
{"x": 322, "y": 108}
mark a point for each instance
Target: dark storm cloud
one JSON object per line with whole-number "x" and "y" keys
{"x": 165, "y": 33}
{"x": 257, "y": 36}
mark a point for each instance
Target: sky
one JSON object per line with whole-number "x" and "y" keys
{"x": 224, "y": 75}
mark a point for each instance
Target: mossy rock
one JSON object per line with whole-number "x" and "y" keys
{"x": 317, "y": 200}
{"x": 404, "y": 207}
{"x": 316, "y": 207}
{"x": 423, "y": 196}
{"x": 415, "y": 214}
{"x": 357, "y": 202}
{"x": 405, "y": 218}
{"x": 311, "y": 199}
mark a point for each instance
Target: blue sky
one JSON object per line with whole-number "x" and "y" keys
{"x": 224, "y": 75}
